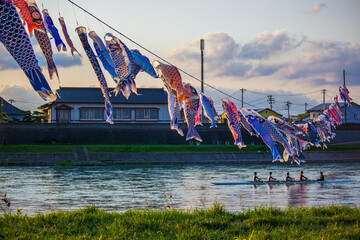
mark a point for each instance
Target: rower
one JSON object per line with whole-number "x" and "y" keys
{"x": 271, "y": 178}
{"x": 288, "y": 178}
{"x": 302, "y": 177}
{"x": 255, "y": 178}
{"x": 322, "y": 178}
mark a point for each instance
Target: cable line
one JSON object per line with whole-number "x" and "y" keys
{"x": 281, "y": 95}
{"x": 154, "y": 54}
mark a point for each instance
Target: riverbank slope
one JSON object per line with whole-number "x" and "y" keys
{"x": 331, "y": 222}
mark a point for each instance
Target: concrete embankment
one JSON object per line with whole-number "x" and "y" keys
{"x": 80, "y": 157}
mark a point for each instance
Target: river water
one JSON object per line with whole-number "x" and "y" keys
{"x": 118, "y": 188}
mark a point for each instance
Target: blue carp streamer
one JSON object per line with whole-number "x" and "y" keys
{"x": 81, "y": 31}
{"x": 15, "y": 39}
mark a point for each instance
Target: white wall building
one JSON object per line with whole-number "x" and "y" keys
{"x": 352, "y": 112}
{"x": 86, "y": 105}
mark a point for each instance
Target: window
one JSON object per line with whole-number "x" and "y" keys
{"x": 357, "y": 116}
{"x": 122, "y": 114}
{"x": 147, "y": 114}
{"x": 92, "y": 114}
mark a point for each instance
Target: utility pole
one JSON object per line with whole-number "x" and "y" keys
{"x": 344, "y": 101}
{"x": 202, "y": 47}
{"x": 323, "y": 92}
{"x": 271, "y": 100}
{"x": 242, "y": 97}
{"x": 287, "y": 105}
{"x": 11, "y": 101}
{"x": 2, "y": 109}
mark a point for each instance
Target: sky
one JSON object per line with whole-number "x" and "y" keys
{"x": 288, "y": 49}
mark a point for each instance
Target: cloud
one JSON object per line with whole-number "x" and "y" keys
{"x": 6, "y": 60}
{"x": 25, "y": 97}
{"x": 316, "y": 8}
{"x": 276, "y": 56}
{"x": 60, "y": 59}
{"x": 267, "y": 44}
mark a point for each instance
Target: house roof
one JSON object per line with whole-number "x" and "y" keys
{"x": 320, "y": 107}
{"x": 267, "y": 109}
{"x": 94, "y": 95}
{"x": 10, "y": 109}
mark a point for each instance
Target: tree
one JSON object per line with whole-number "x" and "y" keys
{"x": 35, "y": 116}
{"x": 3, "y": 117}
{"x": 38, "y": 117}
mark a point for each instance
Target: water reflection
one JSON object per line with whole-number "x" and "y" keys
{"x": 43, "y": 189}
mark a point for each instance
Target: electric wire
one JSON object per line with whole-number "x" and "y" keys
{"x": 186, "y": 73}
{"x": 154, "y": 54}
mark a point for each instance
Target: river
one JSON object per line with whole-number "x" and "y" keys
{"x": 118, "y": 188}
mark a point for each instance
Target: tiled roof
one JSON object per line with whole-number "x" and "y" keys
{"x": 9, "y": 108}
{"x": 94, "y": 95}
{"x": 320, "y": 107}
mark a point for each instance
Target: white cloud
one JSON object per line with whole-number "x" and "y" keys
{"x": 317, "y": 7}
{"x": 277, "y": 55}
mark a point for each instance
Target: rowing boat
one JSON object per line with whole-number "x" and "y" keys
{"x": 283, "y": 182}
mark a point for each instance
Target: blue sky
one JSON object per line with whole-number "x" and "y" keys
{"x": 277, "y": 47}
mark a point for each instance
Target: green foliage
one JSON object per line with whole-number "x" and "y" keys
{"x": 35, "y": 116}
{"x": 3, "y": 117}
{"x": 333, "y": 222}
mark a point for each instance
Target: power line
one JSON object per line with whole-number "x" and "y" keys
{"x": 353, "y": 74}
{"x": 154, "y": 54}
{"x": 282, "y": 95}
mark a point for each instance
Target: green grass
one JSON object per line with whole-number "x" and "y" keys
{"x": 58, "y": 148}
{"x": 333, "y": 222}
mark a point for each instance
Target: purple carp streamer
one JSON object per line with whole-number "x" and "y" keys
{"x": 81, "y": 31}
{"x": 344, "y": 94}
{"x": 191, "y": 106}
{"x": 233, "y": 122}
{"x": 174, "y": 111}
{"x": 53, "y": 31}
{"x": 15, "y": 39}
{"x": 42, "y": 38}
{"x": 67, "y": 37}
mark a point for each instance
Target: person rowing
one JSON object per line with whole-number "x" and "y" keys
{"x": 302, "y": 177}
{"x": 321, "y": 178}
{"x": 271, "y": 178}
{"x": 288, "y": 178}
{"x": 255, "y": 178}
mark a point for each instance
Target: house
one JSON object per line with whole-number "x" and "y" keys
{"x": 86, "y": 105}
{"x": 352, "y": 112}
{"x": 263, "y": 112}
{"x": 11, "y": 111}
{"x": 266, "y": 112}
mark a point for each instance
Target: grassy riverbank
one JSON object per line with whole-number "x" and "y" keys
{"x": 331, "y": 222}
{"x": 58, "y": 148}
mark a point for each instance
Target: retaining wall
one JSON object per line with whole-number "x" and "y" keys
{"x": 135, "y": 133}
